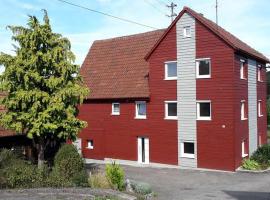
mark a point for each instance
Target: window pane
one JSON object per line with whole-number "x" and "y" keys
{"x": 172, "y": 69}
{"x": 189, "y": 147}
{"x": 141, "y": 109}
{"x": 205, "y": 109}
{"x": 204, "y": 67}
{"x": 172, "y": 109}
{"x": 116, "y": 108}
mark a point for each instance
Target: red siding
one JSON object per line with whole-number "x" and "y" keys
{"x": 215, "y": 142}
{"x": 113, "y": 136}
{"x": 241, "y": 93}
{"x": 165, "y": 147}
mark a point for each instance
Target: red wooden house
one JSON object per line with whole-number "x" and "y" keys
{"x": 192, "y": 95}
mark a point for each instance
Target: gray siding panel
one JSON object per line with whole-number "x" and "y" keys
{"x": 252, "y": 105}
{"x": 186, "y": 88}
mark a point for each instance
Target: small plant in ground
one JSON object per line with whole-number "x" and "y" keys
{"x": 141, "y": 188}
{"x": 115, "y": 175}
{"x": 250, "y": 164}
{"x": 99, "y": 180}
{"x": 262, "y": 156}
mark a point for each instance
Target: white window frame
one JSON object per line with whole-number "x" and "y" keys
{"x": 198, "y": 76}
{"x": 91, "y": 146}
{"x": 243, "y": 110}
{"x": 198, "y": 110}
{"x": 242, "y": 70}
{"x": 260, "y": 114}
{"x": 243, "y": 149}
{"x": 187, "y": 155}
{"x": 137, "y": 116}
{"x": 166, "y": 71}
{"x": 166, "y": 111}
{"x": 115, "y": 113}
{"x": 259, "y": 73}
{"x": 185, "y": 33}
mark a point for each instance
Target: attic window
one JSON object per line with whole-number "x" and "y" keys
{"x": 187, "y": 31}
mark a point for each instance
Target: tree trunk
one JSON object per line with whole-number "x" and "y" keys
{"x": 41, "y": 153}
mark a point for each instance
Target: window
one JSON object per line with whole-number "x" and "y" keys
{"x": 260, "y": 114}
{"x": 171, "y": 70}
{"x": 115, "y": 108}
{"x": 203, "y": 110}
{"x": 170, "y": 109}
{"x": 243, "y": 70}
{"x": 203, "y": 68}
{"x": 187, "y": 31}
{"x": 259, "y": 73}
{"x": 260, "y": 140}
{"x": 90, "y": 144}
{"x": 244, "y": 149}
{"x": 140, "y": 110}
{"x": 243, "y": 110}
{"x": 187, "y": 150}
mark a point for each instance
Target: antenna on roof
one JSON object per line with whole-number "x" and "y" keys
{"x": 217, "y": 12}
{"x": 173, "y": 14}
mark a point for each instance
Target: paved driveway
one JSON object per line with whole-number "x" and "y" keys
{"x": 177, "y": 184}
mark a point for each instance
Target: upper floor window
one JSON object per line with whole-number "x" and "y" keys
{"x": 259, "y": 73}
{"x": 260, "y": 113}
{"x": 115, "y": 108}
{"x": 203, "y": 68}
{"x": 187, "y": 31}
{"x": 171, "y": 70}
{"x": 170, "y": 109}
{"x": 243, "y": 70}
{"x": 243, "y": 110}
{"x": 140, "y": 110}
{"x": 203, "y": 110}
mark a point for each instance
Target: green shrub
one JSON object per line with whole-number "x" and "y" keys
{"x": 7, "y": 157}
{"x": 98, "y": 180}
{"x": 115, "y": 175}
{"x": 68, "y": 169}
{"x": 250, "y": 164}
{"x": 262, "y": 156}
{"x": 25, "y": 175}
{"x": 80, "y": 179}
{"x": 141, "y": 188}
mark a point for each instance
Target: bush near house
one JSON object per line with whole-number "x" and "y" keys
{"x": 116, "y": 176}
{"x": 262, "y": 156}
{"x": 260, "y": 159}
{"x": 68, "y": 171}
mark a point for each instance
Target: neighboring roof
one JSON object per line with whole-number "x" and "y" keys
{"x": 230, "y": 39}
{"x": 4, "y": 132}
{"x": 116, "y": 68}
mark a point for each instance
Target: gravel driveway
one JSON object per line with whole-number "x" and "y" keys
{"x": 177, "y": 184}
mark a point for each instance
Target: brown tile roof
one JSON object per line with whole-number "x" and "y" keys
{"x": 116, "y": 68}
{"x": 4, "y": 132}
{"x": 230, "y": 39}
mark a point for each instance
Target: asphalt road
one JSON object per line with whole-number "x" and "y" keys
{"x": 177, "y": 184}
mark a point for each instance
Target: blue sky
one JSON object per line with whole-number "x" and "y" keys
{"x": 247, "y": 19}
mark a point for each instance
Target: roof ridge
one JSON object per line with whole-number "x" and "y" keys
{"x": 130, "y": 36}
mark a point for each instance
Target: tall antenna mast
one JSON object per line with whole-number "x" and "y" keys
{"x": 173, "y": 14}
{"x": 217, "y": 12}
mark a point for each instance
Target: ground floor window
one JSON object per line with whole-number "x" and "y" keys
{"x": 90, "y": 144}
{"x": 244, "y": 149}
{"x": 187, "y": 149}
